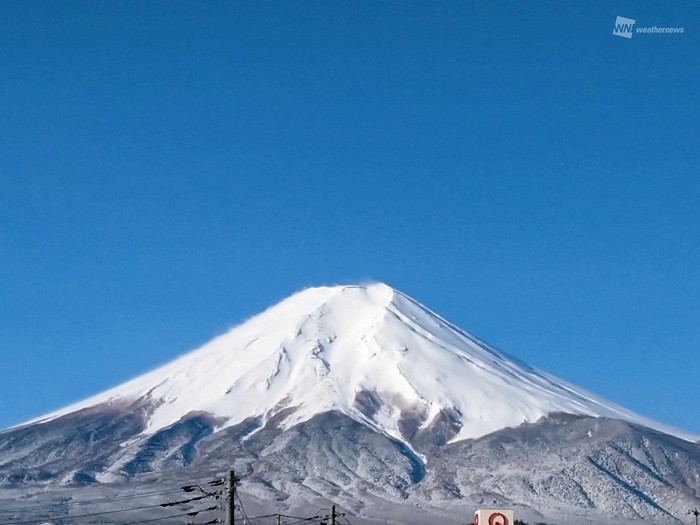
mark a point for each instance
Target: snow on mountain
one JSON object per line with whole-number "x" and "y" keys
{"x": 369, "y": 352}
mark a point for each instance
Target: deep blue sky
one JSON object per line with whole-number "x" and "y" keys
{"x": 168, "y": 169}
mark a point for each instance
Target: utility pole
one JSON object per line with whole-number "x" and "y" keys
{"x": 695, "y": 512}
{"x": 279, "y": 519}
{"x": 333, "y": 515}
{"x": 230, "y": 497}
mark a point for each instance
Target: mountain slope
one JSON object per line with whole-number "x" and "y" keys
{"x": 367, "y": 351}
{"x": 361, "y": 396}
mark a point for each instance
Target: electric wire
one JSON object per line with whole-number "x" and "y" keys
{"x": 303, "y": 520}
{"x": 92, "y": 501}
{"x": 191, "y": 513}
{"x": 240, "y": 503}
{"x": 135, "y": 495}
{"x": 115, "y": 511}
{"x": 264, "y": 516}
{"x": 297, "y": 519}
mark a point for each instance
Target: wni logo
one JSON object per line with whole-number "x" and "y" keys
{"x": 623, "y": 27}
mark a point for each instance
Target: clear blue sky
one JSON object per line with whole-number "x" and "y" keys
{"x": 168, "y": 169}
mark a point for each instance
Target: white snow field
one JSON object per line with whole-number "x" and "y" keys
{"x": 318, "y": 349}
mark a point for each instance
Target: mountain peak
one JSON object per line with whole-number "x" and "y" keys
{"x": 375, "y": 292}
{"x": 367, "y": 351}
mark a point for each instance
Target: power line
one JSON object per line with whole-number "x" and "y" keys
{"x": 303, "y": 520}
{"x": 297, "y": 519}
{"x": 91, "y": 501}
{"x": 116, "y": 511}
{"x": 135, "y": 495}
{"x": 230, "y": 496}
{"x": 263, "y": 516}
{"x": 241, "y": 505}
{"x": 192, "y": 513}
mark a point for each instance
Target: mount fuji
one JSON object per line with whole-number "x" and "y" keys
{"x": 362, "y": 396}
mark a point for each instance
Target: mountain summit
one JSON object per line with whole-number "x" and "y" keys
{"x": 370, "y": 352}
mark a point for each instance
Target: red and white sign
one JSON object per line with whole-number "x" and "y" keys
{"x": 494, "y": 517}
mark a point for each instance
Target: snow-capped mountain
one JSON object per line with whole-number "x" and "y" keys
{"x": 369, "y": 352}
{"x": 361, "y": 395}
